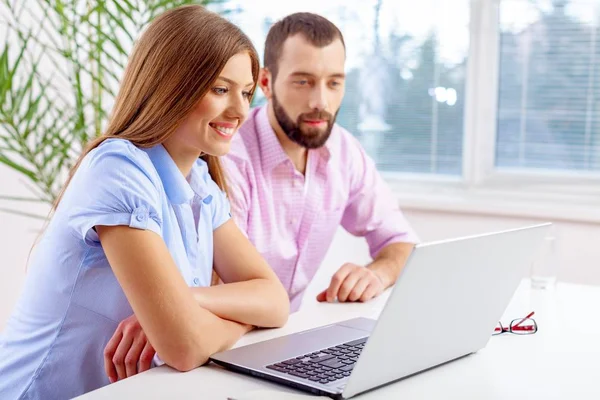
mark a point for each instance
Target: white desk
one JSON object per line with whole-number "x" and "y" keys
{"x": 561, "y": 361}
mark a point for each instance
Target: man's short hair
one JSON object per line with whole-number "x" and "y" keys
{"x": 317, "y": 30}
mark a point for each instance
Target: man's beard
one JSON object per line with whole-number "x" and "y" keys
{"x": 311, "y": 138}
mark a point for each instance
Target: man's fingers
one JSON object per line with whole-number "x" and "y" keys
{"x": 322, "y": 296}
{"x": 118, "y": 358}
{"x": 371, "y": 291}
{"x": 336, "y": 281}
{"x": 146, "y": 357}
{"x": 348, "y": 284}
{"x": 357, "y": 291}
{"x": 133, "y": 355}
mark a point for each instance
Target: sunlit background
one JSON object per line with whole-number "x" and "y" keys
{"x": 481, "y": 114}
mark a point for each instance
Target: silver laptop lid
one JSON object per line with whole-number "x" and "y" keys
{"x": 445, "y": 304}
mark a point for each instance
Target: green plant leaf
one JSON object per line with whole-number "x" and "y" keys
{"x": 21, "y": 198}
{"x": 30, "y": 174}
{"x": 21, "y": 213}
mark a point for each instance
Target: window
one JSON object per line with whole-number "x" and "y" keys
{"x": 406, "y": 69}
{"x": 471, "y": 105}
{"x": 549, "y": 85}
{"x": 405, "y": 100}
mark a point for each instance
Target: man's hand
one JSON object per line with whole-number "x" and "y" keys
{"x": 352, "y": 283}
{"x": 128, "y": 352}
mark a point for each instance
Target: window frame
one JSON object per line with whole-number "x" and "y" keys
{"x": 484, "y": 188}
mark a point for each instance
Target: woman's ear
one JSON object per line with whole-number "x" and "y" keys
{"x": 265, "y": 82}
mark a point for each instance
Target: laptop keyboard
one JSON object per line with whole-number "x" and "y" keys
{"x": 323, "y": 366}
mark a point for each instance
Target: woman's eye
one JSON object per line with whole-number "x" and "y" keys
{"x": 219, "y": 90}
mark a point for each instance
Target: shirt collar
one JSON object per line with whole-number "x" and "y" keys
{"x": 272, "y": 154}
{"x": 177, "y": 188}
{"x": 199, "y": 179}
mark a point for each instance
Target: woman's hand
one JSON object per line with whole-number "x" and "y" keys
{"x": 128, "y": 352}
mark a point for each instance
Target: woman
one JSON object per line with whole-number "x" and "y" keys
{"x": 143, "y": 220}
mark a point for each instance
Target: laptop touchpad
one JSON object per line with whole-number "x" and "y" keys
{"x": 364, "y": 324}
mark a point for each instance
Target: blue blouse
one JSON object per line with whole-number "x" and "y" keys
{"x": 71, "y": 304}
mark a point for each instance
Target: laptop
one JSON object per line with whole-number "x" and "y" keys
{"x": 444, "y": 306}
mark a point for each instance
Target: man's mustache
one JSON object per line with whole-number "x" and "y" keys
{"x": 321, "y": 115}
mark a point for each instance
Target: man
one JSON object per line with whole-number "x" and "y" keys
{"x": 295, "y": 175}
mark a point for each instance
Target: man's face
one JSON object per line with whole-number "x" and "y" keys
{"x": 308, "y": 90}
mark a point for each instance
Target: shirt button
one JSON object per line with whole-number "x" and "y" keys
{"x": 139, "y": 217}
{"x": 196, "y": 281}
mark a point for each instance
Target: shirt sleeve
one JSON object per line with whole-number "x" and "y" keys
{"x": 221, "y": 210}
{"x": 372, "y": 210}
{"x": 239, "y": 191}
{"x": 114, "y": 185}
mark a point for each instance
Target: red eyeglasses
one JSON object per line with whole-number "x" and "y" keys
{"x": 522, "y": 326}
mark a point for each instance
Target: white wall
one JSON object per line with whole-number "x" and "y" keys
{"x": 17, "y": 234}
{"x": 578, "y": 245}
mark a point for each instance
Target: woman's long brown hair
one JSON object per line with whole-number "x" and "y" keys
{"x": 173, "y": 65}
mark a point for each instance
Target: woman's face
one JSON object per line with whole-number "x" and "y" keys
{"x": 216, "y": 118}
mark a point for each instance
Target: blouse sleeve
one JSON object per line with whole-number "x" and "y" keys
{"x": 115, "y": 184}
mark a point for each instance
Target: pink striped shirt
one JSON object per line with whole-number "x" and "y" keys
{"x": 291, "y": 218}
